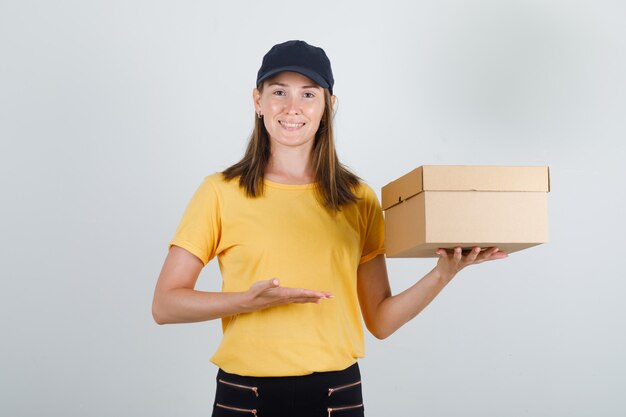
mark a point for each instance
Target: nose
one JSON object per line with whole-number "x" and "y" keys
{"x": 292, "y": 106}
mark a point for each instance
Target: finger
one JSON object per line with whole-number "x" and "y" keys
{"x": 300, "y": 295}
{"x": 305, "y": 301}
{"x": 471, "y": 257}
{"x": 262, "y": 286}
{"x": 293, "y": 293}
{"x": 498, "y": 255}
{"x": 280, "y": 299}
{"x": 491, "y": 252}
{"x": 315, "y": 294}
{"x": 271, "y": 283}
{"x": 458, "y": 254}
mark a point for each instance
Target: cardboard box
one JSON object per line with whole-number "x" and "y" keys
{"x": 437, "y": 206}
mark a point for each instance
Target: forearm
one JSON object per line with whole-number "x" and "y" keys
{"x": 184, "y": 305}
{"x": 384, "y": 313}
{"x": 394, "y": 311}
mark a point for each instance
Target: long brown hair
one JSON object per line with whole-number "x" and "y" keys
{"x": 336, "y": 183}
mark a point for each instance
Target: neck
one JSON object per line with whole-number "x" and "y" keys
{"x": 290, "y": 165}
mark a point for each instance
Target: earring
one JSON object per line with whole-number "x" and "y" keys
{"x": 259, "y": 115}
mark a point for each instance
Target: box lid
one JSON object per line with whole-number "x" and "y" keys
{"x": 465, "y": 178}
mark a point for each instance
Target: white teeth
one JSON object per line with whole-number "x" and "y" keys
{"x": 291, "y": 124}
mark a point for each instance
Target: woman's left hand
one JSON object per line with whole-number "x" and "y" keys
{"x": 451, "y": 263}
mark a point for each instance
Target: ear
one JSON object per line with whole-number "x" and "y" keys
{"x": 333, "y": 100}
{"x": 256, "y": 99}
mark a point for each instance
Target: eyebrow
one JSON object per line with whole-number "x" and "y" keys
{"x": 303, "y": 87}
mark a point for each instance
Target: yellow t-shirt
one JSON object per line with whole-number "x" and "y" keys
{"x": 287, "y": 234}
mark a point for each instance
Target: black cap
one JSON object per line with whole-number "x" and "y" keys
{"x": 300, "y": 57}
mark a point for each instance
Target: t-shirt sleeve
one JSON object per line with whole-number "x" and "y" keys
{"x": 200, "y": 228}
{"x": 373, "y": 226}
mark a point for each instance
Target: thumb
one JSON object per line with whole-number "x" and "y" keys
{"x": 272, "y": 283}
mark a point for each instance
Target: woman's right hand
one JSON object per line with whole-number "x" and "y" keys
{"x": 269, "y": 293}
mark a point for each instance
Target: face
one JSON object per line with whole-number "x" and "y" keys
{"x": 292, "y": 106}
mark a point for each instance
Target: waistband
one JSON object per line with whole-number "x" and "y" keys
{"x": 350, "y": 372}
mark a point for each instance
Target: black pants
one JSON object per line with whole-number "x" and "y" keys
{"x": 321, "y": 394}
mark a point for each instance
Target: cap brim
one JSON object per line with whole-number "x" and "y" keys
{"x": 304, "y": 71}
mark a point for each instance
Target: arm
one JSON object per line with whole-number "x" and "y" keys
{"x": 385, "y": 313}
{"x": 176, "y": 300}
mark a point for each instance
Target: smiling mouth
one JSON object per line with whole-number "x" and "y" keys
{"x": 291, "y": 126}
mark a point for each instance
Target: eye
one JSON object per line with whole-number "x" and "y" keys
{"x": 279, "y": 93}
{"x": 309, "y": 95}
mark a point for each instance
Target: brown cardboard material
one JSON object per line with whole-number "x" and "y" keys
{"x": 437, "y": 206}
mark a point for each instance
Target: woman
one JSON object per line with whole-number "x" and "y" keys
{"x": 299, "y": 240}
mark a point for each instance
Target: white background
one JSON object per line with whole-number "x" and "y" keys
{"x": 111, "y": 113}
